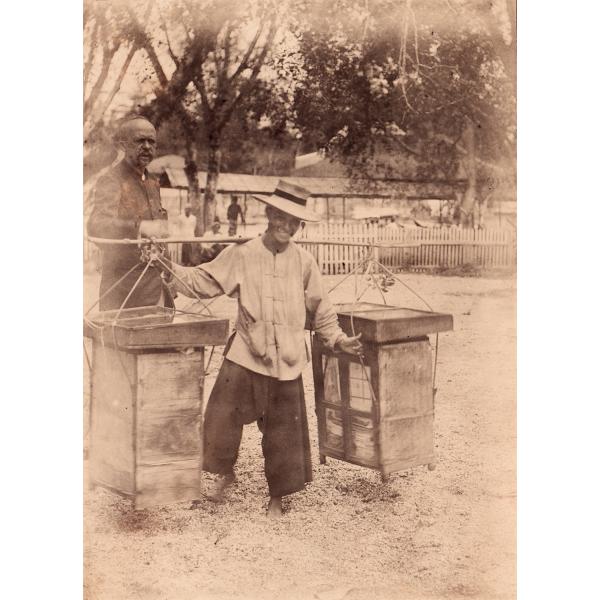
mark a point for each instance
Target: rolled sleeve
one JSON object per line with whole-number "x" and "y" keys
{"x": 211, "y": 279}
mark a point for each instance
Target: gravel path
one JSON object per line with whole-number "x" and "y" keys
{"x": 449, "y": 533}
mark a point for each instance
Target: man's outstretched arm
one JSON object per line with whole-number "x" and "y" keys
{"x": 208, "y": 280}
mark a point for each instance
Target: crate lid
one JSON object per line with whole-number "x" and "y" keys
{"x": 382, "y": 323}
{"x": 155, "y": 327}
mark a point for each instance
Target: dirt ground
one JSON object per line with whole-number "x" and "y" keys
{"x": 448, "y": 533}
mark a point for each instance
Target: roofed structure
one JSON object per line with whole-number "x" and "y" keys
{"x": 322, "y": 187}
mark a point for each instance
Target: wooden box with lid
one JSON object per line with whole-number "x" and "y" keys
{"x": 147, "y": 385}
{"x": 378, "y": 412}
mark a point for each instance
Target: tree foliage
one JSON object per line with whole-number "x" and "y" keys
{"x": 216, "y": 50}
{"x": 423, "y": 89}
{"x": 112, "y": 39}
{"x": 429, "y": 80}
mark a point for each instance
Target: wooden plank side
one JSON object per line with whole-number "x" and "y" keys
{"x": 406, "y": 443}
{"x": 170, "y": 381}
{"x": 177, "y": 481}
{"x": 112, "y": 419}
{"x": 205, "y": 331}
{"x": 405, "y": 373}
{"x": 162, "y": 439}
{"x": 363, "y": 443}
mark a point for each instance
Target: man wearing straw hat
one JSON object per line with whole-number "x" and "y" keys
{"x": 276, "y": 283}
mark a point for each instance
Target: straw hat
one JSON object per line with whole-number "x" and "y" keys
{"x": 291, "y": 199}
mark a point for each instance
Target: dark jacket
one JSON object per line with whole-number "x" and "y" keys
{"x": 233, "y": 210}
{"x": 121, "y": 201}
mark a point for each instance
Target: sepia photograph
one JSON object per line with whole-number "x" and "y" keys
{"x": 299, "y": 237}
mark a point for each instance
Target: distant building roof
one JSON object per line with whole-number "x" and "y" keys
{"x": 240, "y": 183}
{"x": 171, "y": 161}
{"x": 177, "y": 177}
{"x": 306, "y": 160}
{"x": 171, "y": 165}
{"x": 316, "y": 164}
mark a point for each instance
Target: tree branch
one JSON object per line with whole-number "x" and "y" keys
{"x": 146, "y": 43}
{"x": 463, "y": 150}
{"x": 226, "y": 50}
{"x": 165, "y": 29}
{"x": 244, "y": 62}
{"x": 134, "y": 48}
{"x": 200, "y": 85}
{"x": 107, "y": 56}
{"x": 87, "y": 67}
{"x": 402, "y": 58}
{"x": 117, "y": 85}
{"x": 198, "y": 82}
{"x": 414, "y": 20}
{"x": 408, "y": 148}
{"x": 251, "y": 81}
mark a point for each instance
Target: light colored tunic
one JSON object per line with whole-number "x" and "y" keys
{"x": 187, "y": 225}
{"x": 274, "y": 292}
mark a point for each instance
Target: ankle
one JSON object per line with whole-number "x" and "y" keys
{"x": 275, "y": 508}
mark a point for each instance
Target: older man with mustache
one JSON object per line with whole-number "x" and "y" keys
{"x": 127, "y": 205}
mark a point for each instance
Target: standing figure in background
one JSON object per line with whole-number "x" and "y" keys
{"x": 187, "y": 228}
{"x": 233, "y": 211}
{"x": 211, "y": 250}
{"x": 127, "y": 206}
{"x": 392, "y": 225}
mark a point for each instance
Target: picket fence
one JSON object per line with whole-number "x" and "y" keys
{"x": 410, "y": 248}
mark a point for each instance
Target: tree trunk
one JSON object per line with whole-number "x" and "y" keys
{"x": 194, "y": 196}
{"x": 468, "y": 199}
{"x": 212, "y": 178}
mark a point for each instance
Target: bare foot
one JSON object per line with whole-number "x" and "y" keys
{"x": 221, "y": 485}
{"x": 274, "y": 510}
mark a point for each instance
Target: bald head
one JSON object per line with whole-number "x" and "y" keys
{"x": 136, "y": 136}
{"x": 132, "y": 123}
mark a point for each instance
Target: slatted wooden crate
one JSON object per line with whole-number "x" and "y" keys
{"x": 146, "y": 410}
{"x": 379, "y": 413}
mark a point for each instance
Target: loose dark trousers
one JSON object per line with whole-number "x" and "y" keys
{"x": 240, "y": 397}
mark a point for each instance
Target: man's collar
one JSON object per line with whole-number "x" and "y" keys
{"x": 269, "y": 243}
{"x": 141, "y": 174}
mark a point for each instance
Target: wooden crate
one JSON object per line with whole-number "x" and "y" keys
{"x": 379, "y": 413}
{"x": 146, "y": 403}
{"x": 146, "y": 424}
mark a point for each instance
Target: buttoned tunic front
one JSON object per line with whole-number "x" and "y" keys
{"x": 275, "y": 291}
{"x": 122, "y": 199}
